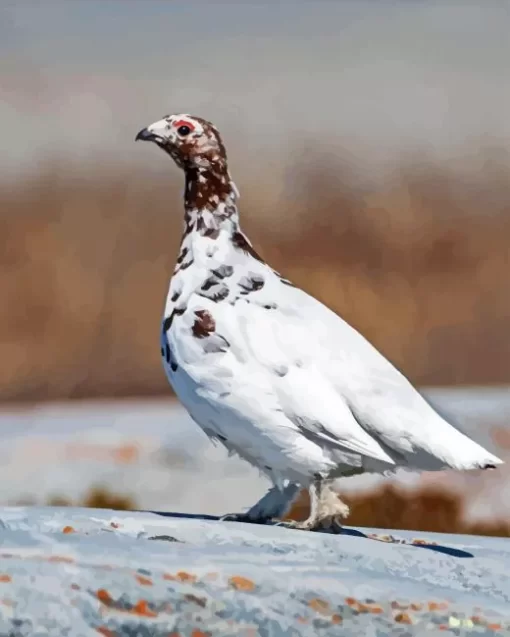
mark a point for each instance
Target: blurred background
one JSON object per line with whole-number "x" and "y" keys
{"x": 370, "y": 141}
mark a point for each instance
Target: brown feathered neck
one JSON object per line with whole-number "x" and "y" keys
{"x": 209, "y": 199}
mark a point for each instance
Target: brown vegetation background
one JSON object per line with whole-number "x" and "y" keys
{"x": 419, "y": 264}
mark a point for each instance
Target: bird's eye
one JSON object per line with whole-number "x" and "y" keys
{"x": 184, "y": 130}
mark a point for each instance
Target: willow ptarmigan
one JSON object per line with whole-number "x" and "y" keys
{"x": 270, "y": 372}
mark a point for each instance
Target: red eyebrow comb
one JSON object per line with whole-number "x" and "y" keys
{"x": 183, "y": 122}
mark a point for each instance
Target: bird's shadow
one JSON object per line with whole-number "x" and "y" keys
{"x": 438, "y": 548}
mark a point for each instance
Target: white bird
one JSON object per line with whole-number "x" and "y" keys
{"x": 269, "y": 371}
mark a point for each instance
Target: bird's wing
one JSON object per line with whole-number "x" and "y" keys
{"x": 375, "y": 393}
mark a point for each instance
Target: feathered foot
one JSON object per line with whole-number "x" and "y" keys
{"x": 327, "y": 511}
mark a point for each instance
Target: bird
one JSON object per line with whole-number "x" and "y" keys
{"x": 273, "y": 374}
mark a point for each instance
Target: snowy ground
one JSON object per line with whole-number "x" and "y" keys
{"x": 85, "y": 572}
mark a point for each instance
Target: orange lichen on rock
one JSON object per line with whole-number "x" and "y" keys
{"x": 106, "y": 632}
{"x": 199, "y": 633}
{"x": 432, "y": 606}
{"x": 5, "y": 578}
{"x": 68, "y": 529}
{"x": 336, "y": 618}
{"x": 104, "y": 596}
{"x": 363, "y": 608}
{"x": 319, "y": 605}
{"x": 142, "y": 608}
{"x": 186, "y": 577}
{"x": 403, "y": 618}
{"x": 241, "y": 583}
{"x": 144, "y": 581}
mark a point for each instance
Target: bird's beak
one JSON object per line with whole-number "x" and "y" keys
{"x": 145, "y": 135}
{"x": 156, "y": 132}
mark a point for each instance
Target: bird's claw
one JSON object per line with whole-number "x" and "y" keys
{"x": 330, "y": 524}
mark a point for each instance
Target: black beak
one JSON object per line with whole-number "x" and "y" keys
{"x": 145, "y": 135}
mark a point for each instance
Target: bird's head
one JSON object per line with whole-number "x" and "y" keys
{"x": 192, "y": 142}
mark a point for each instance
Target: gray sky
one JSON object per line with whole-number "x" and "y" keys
{"x": 373, "y": 77}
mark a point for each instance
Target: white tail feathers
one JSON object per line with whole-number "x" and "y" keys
{"x": 467, "y": 454}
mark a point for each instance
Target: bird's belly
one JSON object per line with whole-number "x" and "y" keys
{"x": 242, "y": 411}
{"x": 287, "y": 455}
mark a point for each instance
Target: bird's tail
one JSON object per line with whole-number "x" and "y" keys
{"x": 465, "y": 454}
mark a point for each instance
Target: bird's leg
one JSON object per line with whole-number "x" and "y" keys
{"x": 326, "y": 509}
{"x": 274, "y": 504}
